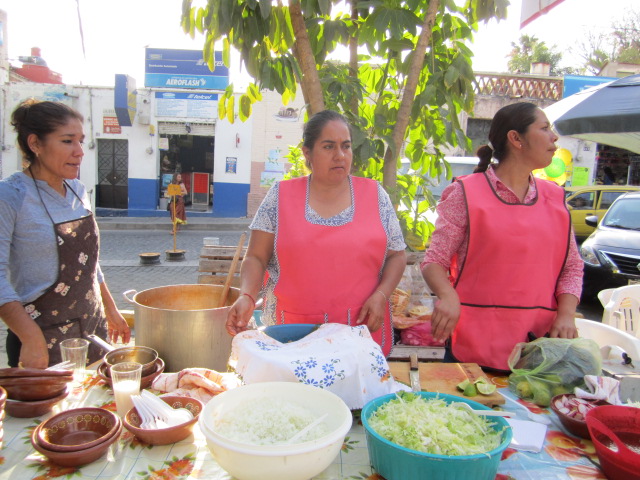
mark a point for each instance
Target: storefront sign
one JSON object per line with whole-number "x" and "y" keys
{"x": 110, "y": 122}
{"x": 580, "y": 176}
{"x": 124, "y": 99}
{"x": 232, "y": 163}
{"x": 186, "y": 105}
{"x": 170, "y": 68}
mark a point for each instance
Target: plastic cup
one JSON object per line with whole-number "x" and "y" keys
{"x": 125, "y": 380}
{"x": 75, "y": 350}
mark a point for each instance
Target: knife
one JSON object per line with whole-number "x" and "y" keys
{"x": 414, "y": 373}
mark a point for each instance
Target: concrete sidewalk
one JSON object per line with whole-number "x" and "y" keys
{"x": 164, "y": 223}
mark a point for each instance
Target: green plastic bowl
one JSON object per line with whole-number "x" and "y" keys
{"x": 394, "y": 462}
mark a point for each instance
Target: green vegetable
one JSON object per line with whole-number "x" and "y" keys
{"x": 432, "y": 426}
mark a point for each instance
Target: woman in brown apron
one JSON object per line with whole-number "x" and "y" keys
{"x": 75, "y": 304}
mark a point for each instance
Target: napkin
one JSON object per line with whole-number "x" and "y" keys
{"x": 200, "y": 383}
{"x": 600, "y": 388}
{"x": 527, "y": 436}
{"x": 341, "y": 359}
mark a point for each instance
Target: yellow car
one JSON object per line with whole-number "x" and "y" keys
{"x": 591, "y": 200}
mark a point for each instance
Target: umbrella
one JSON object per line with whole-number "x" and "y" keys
{"x": 608, "y": 114}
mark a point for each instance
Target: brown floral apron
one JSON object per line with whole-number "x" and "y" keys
{"x": 72, "y": 306}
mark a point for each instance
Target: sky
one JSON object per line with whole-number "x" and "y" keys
{"x": 116, "y": 33}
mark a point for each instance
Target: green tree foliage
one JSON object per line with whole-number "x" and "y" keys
{"x": 407, "y": 79}
{"x": 531, "y": 50}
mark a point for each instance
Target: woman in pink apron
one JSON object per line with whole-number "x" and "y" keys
{"x": 51, "y": 286}
{"x": 330, "y": 243}
{"x": 503, "y": 259}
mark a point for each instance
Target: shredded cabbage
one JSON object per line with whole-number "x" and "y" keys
{"x": 433, "y": 426}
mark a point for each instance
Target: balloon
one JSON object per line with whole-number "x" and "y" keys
{"x": 539, "y": 173}
{"x": 556, "y": 168}
{"x": 564, "y": 155}
{"x": 560, "y": 179}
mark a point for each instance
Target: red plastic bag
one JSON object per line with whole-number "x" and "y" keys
{"x": 419, "y": 335}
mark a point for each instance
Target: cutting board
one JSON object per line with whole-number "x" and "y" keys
{"x": 444, "y": 378}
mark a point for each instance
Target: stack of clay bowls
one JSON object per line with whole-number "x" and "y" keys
{"x": 78, "y": 436}
{"x": 32, "y": 392}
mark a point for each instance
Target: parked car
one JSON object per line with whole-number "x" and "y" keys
{"x": 591, "y": 200}
{"x": 612, "y": 252}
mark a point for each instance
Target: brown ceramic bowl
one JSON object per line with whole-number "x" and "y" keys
{"x": 165, "y": 436}
{"x": 576, "y": 427}
{"x": 19, "y": 409}
{"x": 78, "y": 429}
{"x": 32, "y": 372}
{"x": 78, "y": 457}
{"x": 34, "y": 388}
{"x": 145, "y": 382}
{"x": 146, "y": 356}
{"x": 3, "y": 397}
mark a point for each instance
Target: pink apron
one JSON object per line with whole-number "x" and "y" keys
{"x": 508, "y": 281}
{"x": 328, "y": 272}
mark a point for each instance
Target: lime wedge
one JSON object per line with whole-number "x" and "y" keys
{"x": 485, "y": 388}
{"x": 464, "y": 384}
{"x": 470, "y": 390}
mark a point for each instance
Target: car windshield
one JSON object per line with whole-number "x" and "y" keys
{"x": 625, "y": 213}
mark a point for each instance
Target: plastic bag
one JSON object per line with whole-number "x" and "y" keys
{"x": 548, "y": 367}
{"x": 419, "y": 335}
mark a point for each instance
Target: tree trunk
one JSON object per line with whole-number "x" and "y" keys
{"x": 353, "y": 54}
{"x": 404, "y": 112}
{"x": 310, "y": 82}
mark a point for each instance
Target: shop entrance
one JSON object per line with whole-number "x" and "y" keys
{"x": 616, "y": 166}
{"x": 112, "y": 190}
{"x": 188, "y": 149}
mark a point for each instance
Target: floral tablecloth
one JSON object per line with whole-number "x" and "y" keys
{"x": 563, "y": 456}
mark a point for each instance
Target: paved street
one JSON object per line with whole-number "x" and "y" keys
{"x": 122, "y": 240}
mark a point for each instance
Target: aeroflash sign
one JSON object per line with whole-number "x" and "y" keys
{"x": 171, "y": 68}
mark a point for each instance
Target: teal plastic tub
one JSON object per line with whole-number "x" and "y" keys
{"x": 292, "y": 332}
{"x": 394, "y": 462}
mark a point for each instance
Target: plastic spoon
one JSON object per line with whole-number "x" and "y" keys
{"x": 486, "y": 413}
{"x": 171, "y": 416}
{"x": 306, "y": 429}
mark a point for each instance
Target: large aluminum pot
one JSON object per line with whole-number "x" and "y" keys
{"x": 184, "y": 325}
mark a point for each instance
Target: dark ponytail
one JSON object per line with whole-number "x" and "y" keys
{"x": 485, "y": 154}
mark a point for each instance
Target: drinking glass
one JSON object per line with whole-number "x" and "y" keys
{"x": 125, "y": 379}
{"x": 75, "y": 350}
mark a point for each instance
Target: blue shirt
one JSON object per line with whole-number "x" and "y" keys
{"x": 28, "y": 248}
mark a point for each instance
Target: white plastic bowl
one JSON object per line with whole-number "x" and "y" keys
{"x": 299, "y": 461}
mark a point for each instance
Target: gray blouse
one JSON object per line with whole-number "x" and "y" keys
{"x": 28, "y": 249}
{"x": 266, "y": 220}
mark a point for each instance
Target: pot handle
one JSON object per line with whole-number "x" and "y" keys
{"x": 129, "y": 292}
{"x": 101, "y": 343}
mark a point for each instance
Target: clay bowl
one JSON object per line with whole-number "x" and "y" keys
{"x": 36, "y": 408}
{"x": 3, "y": 397}
{"x": 78, "y": 429}
{"x": 165, "y": 436}
{"x": 34, "y": 388}
{"x": 32, "y": 372}
{"x": 145, "y": 382}
{"x": 576, "y": 427}
{"x": 145, "y": 356}
{"x": 77, "y": 457}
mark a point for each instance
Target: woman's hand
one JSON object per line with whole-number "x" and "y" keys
{"x": 117, "y": 327}
{"x": 373, "y": 311}
{"x": 239, "y": 315}
{"x": 564, "y": 326}
{"x": 446, "y": 314}
{"x": 34, "y": 352}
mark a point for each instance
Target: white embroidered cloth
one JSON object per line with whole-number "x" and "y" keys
{"x": 341, "y": 359}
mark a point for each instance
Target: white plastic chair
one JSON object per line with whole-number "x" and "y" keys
{"x": 622, "y": 311}
{"x": 607, "y": 336}
{"x": 605, "y": 295}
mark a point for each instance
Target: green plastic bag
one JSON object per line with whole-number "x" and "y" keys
{"x": 547, "y": 367}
